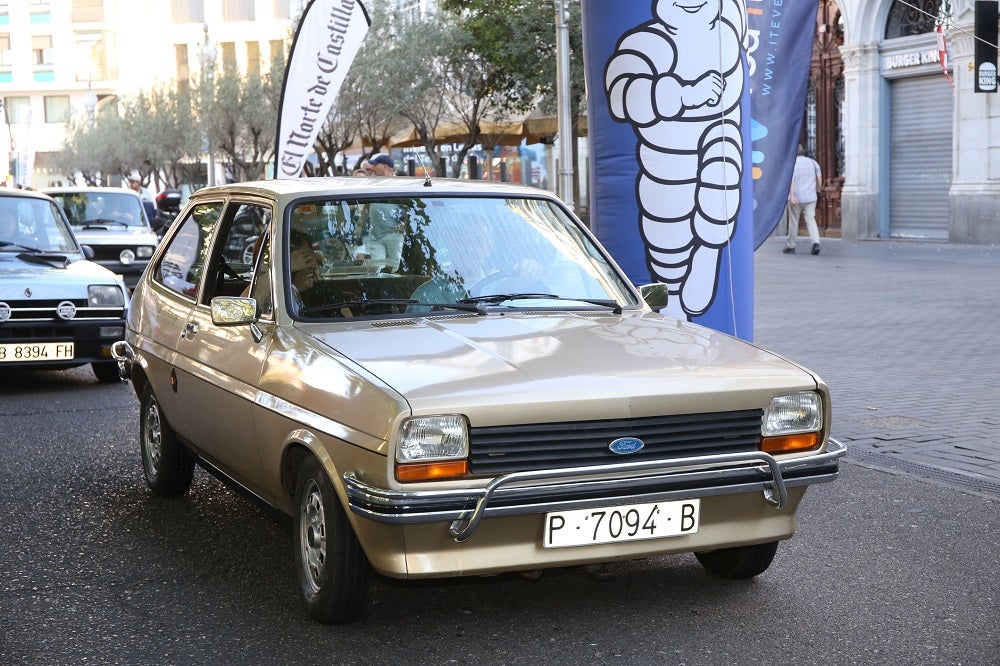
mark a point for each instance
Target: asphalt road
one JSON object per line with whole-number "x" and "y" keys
{"x": 94, "y": 569}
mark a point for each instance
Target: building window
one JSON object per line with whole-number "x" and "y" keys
{"x": 277, "y": 48}
{"x": 6, "y": 55}
{"x": 41, "y": 47}
{"x": 18, "y": 110}
{"x": 915, "y": 17}
{"x": 87, "y": 11}
{"x": 228, "y": 56}
{"x": 237, "y": 10}
{"x": 188, "y": 11}
{"x": 253, "y": 58}
{"x": 57, "y": 108}
{"x": 183, "y": 66}
{"x": 282, "y": 9}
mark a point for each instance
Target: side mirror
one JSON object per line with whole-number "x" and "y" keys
{"x": 88, "y": 252}
{"x": 655, "y": 295}
{"x": 236, "y": 311}
{"x": 233, "y": 310}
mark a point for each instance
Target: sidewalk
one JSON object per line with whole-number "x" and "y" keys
{"x": 907, "y": 336}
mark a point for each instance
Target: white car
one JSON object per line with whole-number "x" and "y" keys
{"x": 57, "y": 310}
{"x": 112, "y": 221}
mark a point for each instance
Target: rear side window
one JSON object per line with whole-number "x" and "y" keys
{"x": 182, "y": 266}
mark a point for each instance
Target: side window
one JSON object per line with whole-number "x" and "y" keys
{"x": 233, "y": 262}
{"x": 181, "y": 268}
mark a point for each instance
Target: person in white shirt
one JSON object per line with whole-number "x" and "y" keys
{"x": 807, "y": 183}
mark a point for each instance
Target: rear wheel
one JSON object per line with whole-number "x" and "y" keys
{"x": 740, "y": 562}
{"x": 334, "y": 575}
{"x": 167, "y": 465}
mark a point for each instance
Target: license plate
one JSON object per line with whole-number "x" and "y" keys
{"x": 632, "y": 522}
{"x": 43, "y": 351}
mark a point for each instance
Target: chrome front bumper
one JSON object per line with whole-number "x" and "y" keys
{"x": 537, "y": 492}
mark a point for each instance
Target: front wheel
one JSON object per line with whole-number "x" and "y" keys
{"x": 167, "y": 465}
{"x": 333, "y": 572}
{"x": 740, "y": 562}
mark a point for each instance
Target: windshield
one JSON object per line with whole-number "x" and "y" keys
{"x": 102, "y": 209}
{"x": 347, "y": 258}
{"x": 33, "y": 224}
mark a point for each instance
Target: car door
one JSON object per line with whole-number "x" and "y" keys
{"x": 166, "y": 306}
{"x": 222, "y": 364}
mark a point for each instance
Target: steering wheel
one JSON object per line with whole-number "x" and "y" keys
{"x": 507, "y": 281}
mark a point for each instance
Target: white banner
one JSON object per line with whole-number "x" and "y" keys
{"x": 326, "y": 42}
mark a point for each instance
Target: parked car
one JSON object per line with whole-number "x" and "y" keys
{"x": 505, "y": 400}
{"x": 113, "y": 222}
{"x": 57, "y": 310}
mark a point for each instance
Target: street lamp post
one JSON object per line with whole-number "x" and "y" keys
{"x": 208, "y": 80}
{"x": 564, "y": 113}
{"x": 90, "y": 103}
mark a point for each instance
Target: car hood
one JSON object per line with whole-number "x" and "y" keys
{"x": 49, "y": 280}
{"x": 613, "y": 364}
{"x": 115, "y": 235}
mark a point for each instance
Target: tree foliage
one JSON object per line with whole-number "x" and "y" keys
{"x": 467, "y": 66}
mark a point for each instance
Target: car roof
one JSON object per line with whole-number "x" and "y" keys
{"x": 90, "y": 189}
{"x": 294, "y": 188}
{"x": 29, "y": 194}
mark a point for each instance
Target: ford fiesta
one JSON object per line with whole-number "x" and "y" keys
{"x": 450, "y": 378}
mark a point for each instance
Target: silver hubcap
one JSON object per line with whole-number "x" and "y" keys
{"x": 153, "y": 440}
{"x": 312, "y": 536}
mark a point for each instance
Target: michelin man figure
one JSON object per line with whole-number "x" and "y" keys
{"x": 678, "y": 81}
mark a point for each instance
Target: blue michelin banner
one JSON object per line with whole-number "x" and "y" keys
{"x": 781, "y": 35}
{"x": 672, "y": 146}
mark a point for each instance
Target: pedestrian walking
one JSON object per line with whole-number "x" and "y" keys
{"x": 807, "y": 183}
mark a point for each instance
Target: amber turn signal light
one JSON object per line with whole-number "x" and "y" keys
{"x": 431, "y": 471}
{"x": 806, "y": 441}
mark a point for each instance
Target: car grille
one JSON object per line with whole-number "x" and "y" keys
{"x": 504, "y": 449}
{"x": 45, "y": 311}
{"x": 110, "y": 252}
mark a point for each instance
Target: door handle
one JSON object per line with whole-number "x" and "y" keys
{"x": 190, "y": 330}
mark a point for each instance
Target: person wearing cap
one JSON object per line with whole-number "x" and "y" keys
{"x": 382, "y": 165}
{"x": 383, "y": 223}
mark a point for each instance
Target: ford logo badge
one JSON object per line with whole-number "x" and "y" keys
{"x": 626, "y": 445}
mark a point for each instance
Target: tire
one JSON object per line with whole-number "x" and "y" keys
{"x": 741, "y": 562}
{"x": 167, "y": 465}
{"x": 333, "y": 573}
{"x": 106, "y": 373}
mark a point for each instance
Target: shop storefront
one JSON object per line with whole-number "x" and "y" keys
{"x": 919, "y": 160}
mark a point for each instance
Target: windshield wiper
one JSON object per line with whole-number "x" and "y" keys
{"x": 23, "y": 247}
{"x": 102, "y": 222}
{"x": 500, "y": 298}
{"x": 358, "y": 303}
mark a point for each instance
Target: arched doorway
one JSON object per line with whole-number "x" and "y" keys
{"x": 822, "y": 129}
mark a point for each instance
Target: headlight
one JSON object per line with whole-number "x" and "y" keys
{"x": 126, "y": 257}
{"x": 792, "y": 423}
{"x": 432, "y": 447}
{"x": 790, "y": 414}
{"x": 144, "y": 252}
{"x": 105, "y": 296}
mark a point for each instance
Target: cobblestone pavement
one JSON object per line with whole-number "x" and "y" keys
{"x": 907, "y": 336}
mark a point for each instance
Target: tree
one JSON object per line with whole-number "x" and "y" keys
{"x": 241, "y": 118}
{"x": 515, "y": 42}
{"x": 370, "y": 95}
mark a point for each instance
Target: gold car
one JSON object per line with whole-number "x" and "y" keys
{"x": 450, "y": 378}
